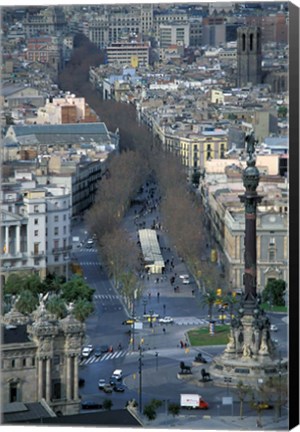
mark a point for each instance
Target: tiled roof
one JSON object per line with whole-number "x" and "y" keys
{"x": 68, "y": 129}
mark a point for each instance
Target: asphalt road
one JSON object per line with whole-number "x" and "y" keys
{"x": 104, "y": 326}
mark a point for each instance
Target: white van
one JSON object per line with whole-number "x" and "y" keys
{"x": 117, "y": 374}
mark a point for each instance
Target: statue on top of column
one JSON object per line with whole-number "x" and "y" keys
{"x": 251, "y": 141}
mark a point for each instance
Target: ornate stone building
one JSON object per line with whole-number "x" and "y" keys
{"x": 40, "y": 358}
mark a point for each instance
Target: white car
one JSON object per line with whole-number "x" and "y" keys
{"x": 86, "y": 351}
{"x": 184, "y": 276}
{"x": 273, "y": 327}
{"x": 166, "y": 320}
{"x": 185, "y": 281}
{"x": 154, "y": 315}
{"x": 101, "y": 383}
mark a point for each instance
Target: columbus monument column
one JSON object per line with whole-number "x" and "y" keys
{"x": 250, "y": 354}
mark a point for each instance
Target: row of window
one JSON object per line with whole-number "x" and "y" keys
{"x": 56, "y": 231}
{"x": 26, "y": 361}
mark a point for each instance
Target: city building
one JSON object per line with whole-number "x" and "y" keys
{"x": 35, "y": 227}
{"x": 128, "y": 53}
{"x": 67, "y": 109}
{"x": 249, "y": 56}
{"x": 33, "y": 140}
{"x": 220, "y": 189}
{"x": 174, "y": 34}
{"x": 48, "y": 20}
{"x": 40, "y": 358}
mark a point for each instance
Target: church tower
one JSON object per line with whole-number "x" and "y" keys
{"x": 248, "y": 56}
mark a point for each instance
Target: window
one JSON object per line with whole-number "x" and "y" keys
{"x": 36, "y": 221}
{"x": 56, "y": 258}
{"x": 36, "y": 233}
{"x": 13, "y": 392}
{"x": 36, "y": 209}
{"x": 13, "y": 363}
{"x": 272, "y": 255}
{"x": 33, "y": 361}
{"x": 65, "y": 230}
{"x": 56, "y": 218}
{"x": 65, "y": 217}
{"x": 24, "y": 362}
{"x": 55, "y": 230}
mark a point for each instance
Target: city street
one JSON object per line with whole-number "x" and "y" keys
{"x": 161, "y": 349}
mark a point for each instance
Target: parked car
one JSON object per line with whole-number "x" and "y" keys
{"x": 101, "y": 383}
{"x": 89, "y": 404}
{"x": 107, "y": 388}
{"x": 120, "y": 388}
{"x": 184, "y": 276}
{"x": 273, "y": 327}
{"x": 166, "y": 320}
{"x": 185, "y": 281}
{"x": 104, "y": 349}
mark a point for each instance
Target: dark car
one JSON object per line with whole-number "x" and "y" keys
{"x": 118, "y": 387}
{"x": 81, "y": 382}
{"x": 104, "y": 348}
{"x": 113, "y": 381}
{"x": 97, "y": 352}
{"x": 89, "y": 404}
{"x": 107, "y": 388}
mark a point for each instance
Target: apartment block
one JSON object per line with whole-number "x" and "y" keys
{"x": 35, "y": 228}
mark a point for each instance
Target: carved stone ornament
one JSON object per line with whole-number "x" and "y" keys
{"x": 45, "y": 345}
{"x": 73, "y": 342}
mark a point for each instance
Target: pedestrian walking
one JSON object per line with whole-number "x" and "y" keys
{"x": 164, "y": 331}
{"x": 181, "y": 344}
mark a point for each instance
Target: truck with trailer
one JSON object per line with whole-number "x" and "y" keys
{"x": 192, "y": 401}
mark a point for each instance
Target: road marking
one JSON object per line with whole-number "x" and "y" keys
{"x": 105, "y": 357}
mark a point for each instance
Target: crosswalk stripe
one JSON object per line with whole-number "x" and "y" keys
{"x": 114, "y": 355}
{"x": 107, "y": 356}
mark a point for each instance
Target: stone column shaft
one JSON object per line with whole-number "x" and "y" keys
{"x": 6, "y": 240}
{"x": 75, "y": 396}
{"x": 48, "y": 379}
{"x": 18, "y": 245}
{"x": 68, "y": 383}
{"x": 40, "y": 379}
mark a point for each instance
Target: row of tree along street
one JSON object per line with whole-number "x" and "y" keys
{"x": 140, "y": 158}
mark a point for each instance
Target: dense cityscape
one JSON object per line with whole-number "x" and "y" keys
{"x": 144, "y": 215}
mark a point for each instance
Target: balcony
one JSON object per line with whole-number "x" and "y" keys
{"x": 13, "y": 255}
{"x": 37, "y": 253}
{"x": 61, "y": 249}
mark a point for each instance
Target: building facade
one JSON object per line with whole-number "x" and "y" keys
{"x": 35, "y": 230}
{"x": 249, "y": 56}
{"x": 128, "y": 53}
{"x": 40, "y": 359}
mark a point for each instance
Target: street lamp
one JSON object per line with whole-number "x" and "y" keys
{"x": 164, "y": 308}
{"x": 140, "y": 373}
{"x": 156, "y": 355}
{"x": 144, "y": 303}
{"x": 280, "y": 375}
{"x": 227, "y": 380}
{"x": 151, "y": 316}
